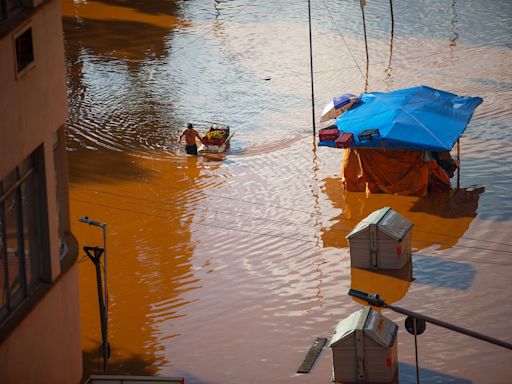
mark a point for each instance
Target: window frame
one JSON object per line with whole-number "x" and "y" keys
{"x": 20, "y": 72}
{"x": 40, "y": 256}
{"x": 9, "y": 13}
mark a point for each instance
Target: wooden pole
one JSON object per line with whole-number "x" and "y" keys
{"x": 392, "y": 17}
{"x": 388, "y": 70}
{"x": 363, "y": 3}
{"x": 311, "y": 68}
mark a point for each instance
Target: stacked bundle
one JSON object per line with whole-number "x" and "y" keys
{"x": 332, "y": 137}
{"x": 217, "y": 134}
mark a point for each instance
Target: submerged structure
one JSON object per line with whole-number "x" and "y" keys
{"x": 399, "y": 142}
{"x": 381, "y": 240}
{"x": 364, "y": 348}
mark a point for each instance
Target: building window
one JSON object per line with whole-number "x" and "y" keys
{"x": 24, "y": 50}
{"x": 24, "y": 254}
{"x": 8, "y": 8}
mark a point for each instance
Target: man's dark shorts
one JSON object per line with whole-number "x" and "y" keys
{"x": 191, "y": 149}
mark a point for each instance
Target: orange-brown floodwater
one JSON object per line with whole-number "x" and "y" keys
{"x": 226, "y": 270}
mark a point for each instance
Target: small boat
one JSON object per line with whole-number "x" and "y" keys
{"x": 216, "y": 140}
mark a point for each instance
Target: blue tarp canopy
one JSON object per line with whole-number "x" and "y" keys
{"x": 418, "y": 118}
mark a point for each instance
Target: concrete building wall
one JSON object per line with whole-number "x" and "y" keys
{"x": 40, "y": 342}
{"x": 45, "y": 347}
{"x": 34, "y": 105}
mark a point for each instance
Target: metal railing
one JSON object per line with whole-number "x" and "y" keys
{"x": 415, "y": 323}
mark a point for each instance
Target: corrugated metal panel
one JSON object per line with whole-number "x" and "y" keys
{"x": 388, "y": 221}
{"x": 379, "y": 328}
{"x": 382, "y": 330}
{"x": 348, "y": 325}
{"x": 395, "y": 225}
{"x": 372, "y": 218}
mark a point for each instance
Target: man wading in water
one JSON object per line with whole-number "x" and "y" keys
{"x": 190, "y": 139}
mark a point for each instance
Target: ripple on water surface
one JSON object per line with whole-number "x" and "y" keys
{"x": 227, "y": 270}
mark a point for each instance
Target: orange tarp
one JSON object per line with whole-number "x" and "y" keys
{"x": 392, "y": 171}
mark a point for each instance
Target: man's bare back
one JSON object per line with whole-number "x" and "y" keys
{"x": 190, "y": 136}
{"x": 190, "y": 139}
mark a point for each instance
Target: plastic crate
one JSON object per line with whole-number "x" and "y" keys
{"x": 368, "y": 134}
{"x": 328, "y": 134}
{"x": 345, "y": 140}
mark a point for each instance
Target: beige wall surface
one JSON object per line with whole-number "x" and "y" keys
{"x": 35, "y": 104}
{"x": 53, "y": 215}
{"x": 43, "y": 348}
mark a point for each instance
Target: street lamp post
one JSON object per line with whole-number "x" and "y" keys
{"x": 102, "y": 293}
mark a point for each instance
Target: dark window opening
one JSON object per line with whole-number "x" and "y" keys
{"x": 23, "y": 252}
{"x": 8, "y": 8}
{"x": 24, "y": 50}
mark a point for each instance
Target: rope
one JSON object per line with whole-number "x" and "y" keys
{"x": 365, "y": 78}
{"x": 211, "y": 29}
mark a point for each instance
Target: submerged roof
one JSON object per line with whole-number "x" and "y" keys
{"x": 418, "y": 118}
{"x": 377, "y": 327}
{"x": 388, "y": 221}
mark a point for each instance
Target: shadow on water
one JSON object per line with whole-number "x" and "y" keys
{"x": 407, "y": 375}
{"x": 154, "y": 7}
{"x": 128, "y": 365}
{"x": 113, "y": 27}
{"x": 393, "y": 284}
{"x": 435, "y": 271}
{"x": 104, "y": 167}
{"x": 116, "y": 39}
{"x": 456, "y": 203}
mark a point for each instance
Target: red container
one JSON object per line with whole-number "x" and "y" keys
{"x": 328, "y": 134}
{"x": 345, "y": 140}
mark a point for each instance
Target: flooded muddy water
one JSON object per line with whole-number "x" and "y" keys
{"x": 226, "y": 270}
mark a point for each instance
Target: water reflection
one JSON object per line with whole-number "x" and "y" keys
{"x": 457, "y": 203}
{"x": 226, "y": 270}
{"x": 105, "y": 167}
{"x": 112, "y": 102}
{"x": 391, "y": 285}
{"x": 388, "y": 71}
{"x": 193, "y": 170}
{"x": 453, "y": 25}
{"x": 454, "y": 210}
{"x": 112, "y": 28}
{"x": 148, "y": 276}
